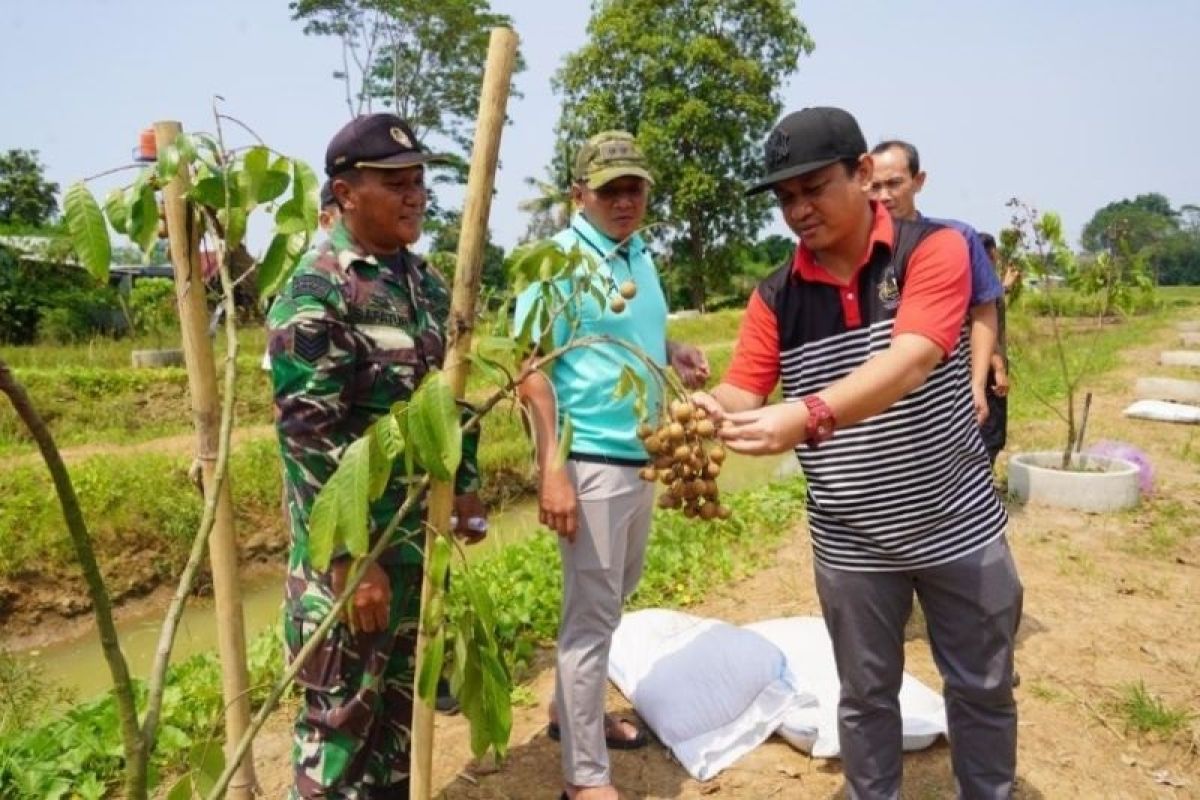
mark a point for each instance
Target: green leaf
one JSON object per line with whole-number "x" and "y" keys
{"x": 431, "y": 666}
{"x": 209, "y": 191}
{"x": 143, "y": 217}
{"x": 384, "y": 428}
{"x": 497, "y": 700}
{"x": 439, "y": 562}
{"x": 208, "y": 762}
{"x": 235, "y": 226}
{"x": 182, "y": 790}
{"x": 353, "y": 483}
{"x": 250, "y": 177}
{"x": 88, "y": 232}
{"x": 272, "y": 265}
{"x": 300, "y": 212}
{"x": 186, "y": 148}
{"x": 168, "y": 163}
{"x": 564, "y": 442}
{"x": 289, "y": 218}
{"x": 274, "y": 183}
{"x": 117, "y": 210}
{"x": 323, "y": 532}
{"x": 433, "y": 427}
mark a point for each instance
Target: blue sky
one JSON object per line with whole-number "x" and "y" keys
{"x": 1069, "y": 105}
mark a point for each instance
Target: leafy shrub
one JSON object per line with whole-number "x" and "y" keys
{"x": 30, "y": 290}
{"x": 152, "y": 306}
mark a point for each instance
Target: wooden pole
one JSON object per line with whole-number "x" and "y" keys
{"x": 206, "y": 415}
{"x": 502, "y": 52}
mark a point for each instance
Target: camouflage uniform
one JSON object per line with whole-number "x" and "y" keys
{"x": 351, "y": 334}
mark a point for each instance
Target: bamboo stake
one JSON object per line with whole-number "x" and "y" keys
{"x": 206, "y": 416}
{"x": 493, "y": 99}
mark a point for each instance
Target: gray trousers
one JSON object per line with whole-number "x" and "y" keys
{"x": 600, "y": 569}
{"x": 972, "y": 607}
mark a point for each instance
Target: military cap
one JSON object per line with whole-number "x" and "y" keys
{"x": 376, "y": 141}
{"x": 607, "y": 156}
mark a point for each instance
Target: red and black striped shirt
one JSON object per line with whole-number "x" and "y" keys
{"x": 910, "y": 487}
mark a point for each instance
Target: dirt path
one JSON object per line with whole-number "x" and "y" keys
{"x": 180, "y": 444}
{"x": 1110, "y": 601}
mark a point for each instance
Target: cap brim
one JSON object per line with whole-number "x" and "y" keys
{"x": 402, "y": 160}
{"x": 790, "y": 172}
{"x": 601, "y": 177}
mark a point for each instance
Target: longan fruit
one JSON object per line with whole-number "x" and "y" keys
{"x": 716, "y": 454}
{"x": 617, "y": 304}
{"x": 628, "y": 290}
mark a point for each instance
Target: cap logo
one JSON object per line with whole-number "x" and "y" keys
{"x": 611, "y": 151}
{"x": 778, "y": 149}
{"x": 401, "y": 138}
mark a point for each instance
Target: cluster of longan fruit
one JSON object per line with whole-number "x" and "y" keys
{"x": 686, "y": 458}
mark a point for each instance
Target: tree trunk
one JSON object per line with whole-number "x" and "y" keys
{"x": 493, "y": 99}
{"x": 696, "y": 284}
{"x": 81, "y": 540}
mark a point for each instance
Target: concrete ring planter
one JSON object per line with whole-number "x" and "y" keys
{"x": 157, "y": 358}
{"x": 1096, "y": 484}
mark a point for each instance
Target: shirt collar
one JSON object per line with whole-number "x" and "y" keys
{"x": 589, "y": 232}
{"x": 805, "y": 265}
{"x": 350, "y": 254}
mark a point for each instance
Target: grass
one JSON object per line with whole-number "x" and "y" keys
{"x": 1165, "y": 524}
{"x": 1146, "y": 713}
{"x": 89, "y": 393}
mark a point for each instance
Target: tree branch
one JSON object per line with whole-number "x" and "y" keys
{"x": 122, "y": 689}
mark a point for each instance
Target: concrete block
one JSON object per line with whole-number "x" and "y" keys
{"x": 1173, "y": 389}
{"x": 1179, "y": 358}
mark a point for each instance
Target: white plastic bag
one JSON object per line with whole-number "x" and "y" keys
{"x": 711, "y": 691}
{"x": 1164, "y": 411}
{"x": 805, "y": 644}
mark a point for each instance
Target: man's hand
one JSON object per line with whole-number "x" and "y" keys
{"x": 689, "y": 362}
{"x": 979, "y": 400}
{"x": 770, "y": 429}
{"x": 716, "y": 412}
{"x": 369, "y": 608}
{"x": 1000, "y": 385}
{"x": 557, "y": 504}
{"x": 470, "y": 518}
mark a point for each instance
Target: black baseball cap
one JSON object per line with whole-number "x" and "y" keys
{"x": 807, "y": 140}
{"x": 377, "y": 141}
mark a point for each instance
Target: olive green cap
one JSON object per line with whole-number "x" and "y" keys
{"x": 607, "y": 156}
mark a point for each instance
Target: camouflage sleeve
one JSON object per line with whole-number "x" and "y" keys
{"x": 467, "y": 479}
{"x": 312, "y": 370}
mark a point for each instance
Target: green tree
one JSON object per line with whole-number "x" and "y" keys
{"x": 443, "y": 252}
{"x": 424, "y": 60}
{"x": 26, "y": 197}
{"x": 1143, "y": 221}
{"x": 698, "y": 82}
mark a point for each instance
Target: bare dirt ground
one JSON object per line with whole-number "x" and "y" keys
{"x": 1110, "y": 601}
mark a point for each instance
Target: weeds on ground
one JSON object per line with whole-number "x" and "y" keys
{"x": 1146, "y": 713}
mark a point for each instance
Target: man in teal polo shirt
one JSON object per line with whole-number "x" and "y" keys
{"x": 596, "y": 502}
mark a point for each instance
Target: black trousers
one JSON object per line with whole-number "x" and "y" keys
{"x": 995, "y": 428}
